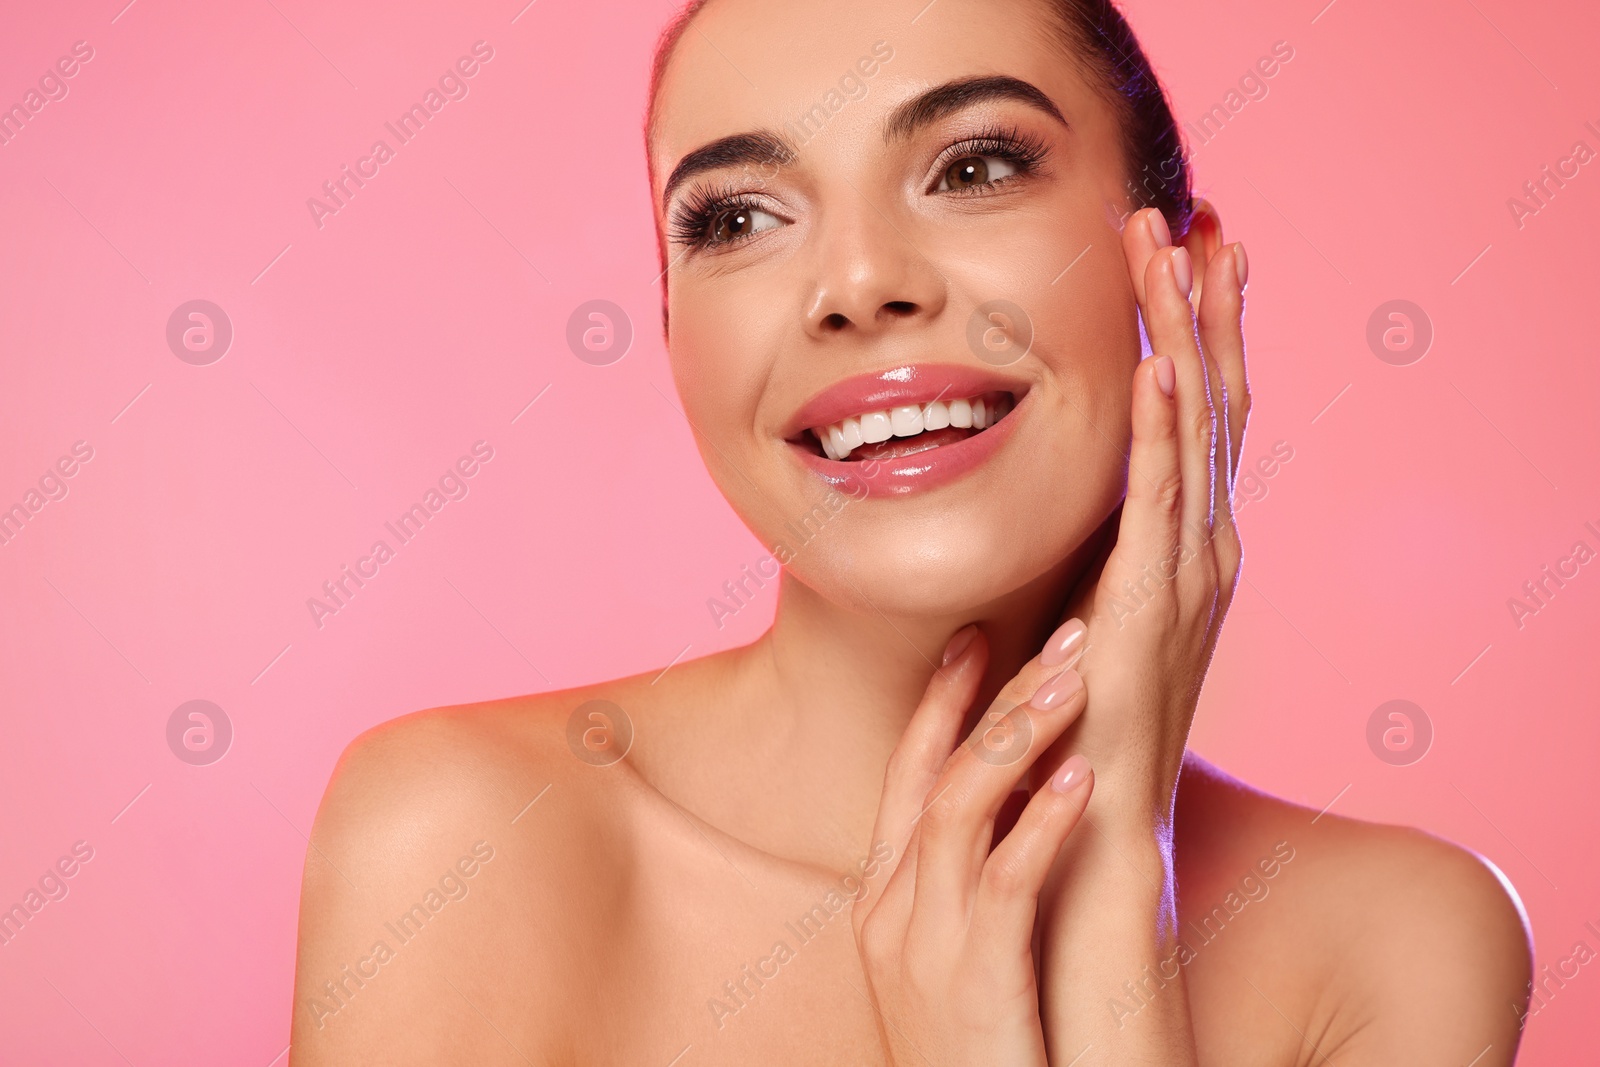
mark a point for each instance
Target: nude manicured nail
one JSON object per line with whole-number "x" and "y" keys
{"x": 1065, "y": 644}
{"x": 1056, "y": 691}
{"x": 958, "y": 644}
{"x": 1158, "y": 229}
{"x": 1183, "y": 271}
{"x": 1166, "y": 374}
{"x": 1241, "y": 265}
{"x": 1073, "y": 773}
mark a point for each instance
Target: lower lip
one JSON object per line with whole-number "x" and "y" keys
{"x": 915, "y": 473}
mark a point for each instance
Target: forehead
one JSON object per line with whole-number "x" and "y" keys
{"x": 744, "y": 65}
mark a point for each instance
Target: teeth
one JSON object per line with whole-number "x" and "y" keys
{"x": 850, "y": 431}
{"x": 907, "y": 421}
{"x": 874, "y": 427}
{"x": 835, "y": 441}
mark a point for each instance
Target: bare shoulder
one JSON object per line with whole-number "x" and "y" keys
{"x": 1402, "y": 945}
{"x": 457, "y": 852}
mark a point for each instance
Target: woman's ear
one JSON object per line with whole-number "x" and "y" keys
{"x": 1202, "y": 240}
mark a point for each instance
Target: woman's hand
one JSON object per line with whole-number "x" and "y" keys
{"x": 1155, "y": 605}
{"x": 947, "y": 947}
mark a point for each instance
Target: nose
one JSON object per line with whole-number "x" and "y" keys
{"x": 868, "y": 277}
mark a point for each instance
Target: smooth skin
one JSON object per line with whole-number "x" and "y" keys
{"x": 809, "y": 852}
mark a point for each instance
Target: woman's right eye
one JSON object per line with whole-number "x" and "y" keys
{"x": 733, "y": 223}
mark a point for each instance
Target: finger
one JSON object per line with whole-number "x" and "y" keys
{"x": 957, "y": 827}
{"x": 1169, "y": 317}
{"x": 1008, "y": 893}
{"x": 1145, "y": 234}
{"x": 925, "y": 746}
{"x": 1147, "y": 537}
{"x": 1222, "y": 337}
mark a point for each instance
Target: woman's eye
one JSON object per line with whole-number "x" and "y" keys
{"x": 736, "y": 222}
{"x": 970, "y": 172}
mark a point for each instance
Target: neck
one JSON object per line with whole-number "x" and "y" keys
{"x": 844, "y": 683}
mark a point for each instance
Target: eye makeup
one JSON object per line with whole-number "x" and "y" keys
{"x": 707, "y": 214}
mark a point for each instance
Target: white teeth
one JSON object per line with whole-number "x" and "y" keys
{"x": 876, "y": 427}
{"x": 850, "y": 432}
{"x": 835, "y": 440}
{"x": 908, "y": 420}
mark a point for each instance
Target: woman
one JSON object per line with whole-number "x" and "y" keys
{"x": 916, "y": 255}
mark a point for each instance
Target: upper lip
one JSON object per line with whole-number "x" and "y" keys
{"x": 909, "y": 383}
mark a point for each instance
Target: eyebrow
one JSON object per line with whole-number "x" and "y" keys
{"x": 763, "y": 147}
{"x": 931, "y": 106}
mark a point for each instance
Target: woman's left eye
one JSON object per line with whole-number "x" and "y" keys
{"x": 970, "y": 172}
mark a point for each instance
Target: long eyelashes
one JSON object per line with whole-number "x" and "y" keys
{"x": 693, "y": 222}
{"x": 1023, "y": 151}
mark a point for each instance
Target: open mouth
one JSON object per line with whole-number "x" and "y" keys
{"x": 905, "y": 430}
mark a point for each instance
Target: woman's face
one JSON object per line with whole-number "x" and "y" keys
{"x": 895, "y": 169}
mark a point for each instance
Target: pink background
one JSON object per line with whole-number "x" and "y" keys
{"x": 371, "y": 353}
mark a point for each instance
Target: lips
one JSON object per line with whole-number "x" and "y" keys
{"x": 907, "y": 428}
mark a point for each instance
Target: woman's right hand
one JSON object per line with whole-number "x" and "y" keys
{"x": 947, "y": 946}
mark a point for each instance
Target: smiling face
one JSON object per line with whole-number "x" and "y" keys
{"x": 845, "y": 193}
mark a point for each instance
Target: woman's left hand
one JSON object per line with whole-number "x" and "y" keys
{"x": 1155, "y": 605}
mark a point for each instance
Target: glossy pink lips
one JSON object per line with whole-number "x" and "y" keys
{"x": 928, "y": 459}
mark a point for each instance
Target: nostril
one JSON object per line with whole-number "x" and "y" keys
{"x": 835, "y": 321}
{"x": 900, "y": 308}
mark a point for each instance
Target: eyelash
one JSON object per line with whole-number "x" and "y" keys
{"x": 691, "y": 223}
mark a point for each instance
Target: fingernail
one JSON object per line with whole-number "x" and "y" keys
{"x": 1057, "y": 691}
{"x": 1065, "y": 644}
{"x": 1182, "y": 271}
{"x": 1073, "y": 773}
{"x": 1166, "y": 374}
{"x": 958, "y": 644}
{"x": 1158, "y": 229}
{"x": 1241, "y": 265}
